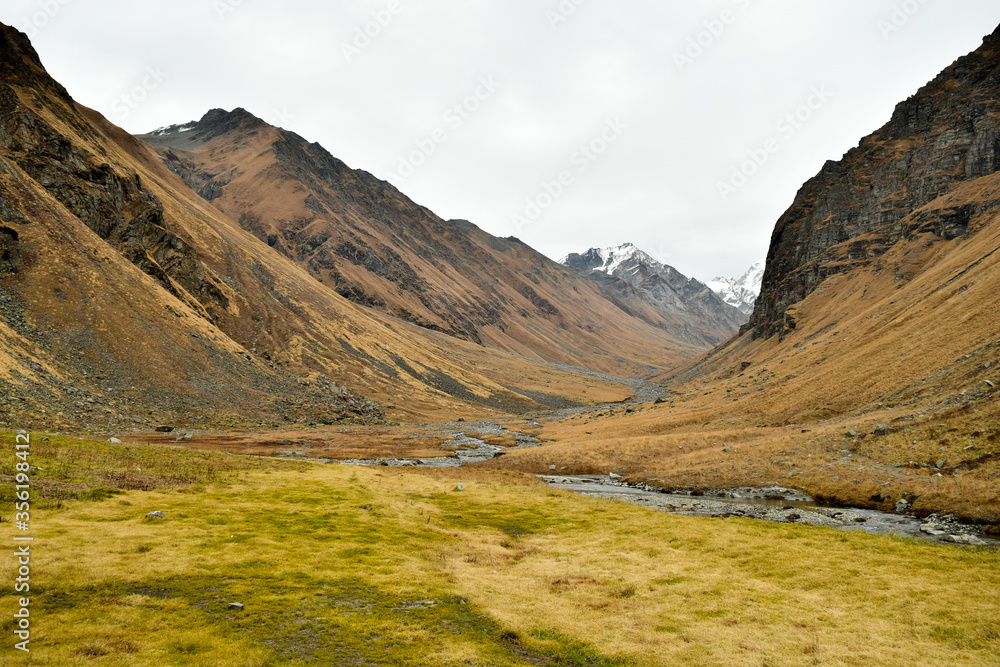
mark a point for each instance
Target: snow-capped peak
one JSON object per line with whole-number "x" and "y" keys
{"x": 612, "y": 258}
{"x": 173, "y": 129}
{"x": 740, "y": 292}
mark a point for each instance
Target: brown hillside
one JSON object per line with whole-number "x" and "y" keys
{"x": 376, "y": 247}
{"x": 882, "y": 380}
{"x": 127, "y": 299}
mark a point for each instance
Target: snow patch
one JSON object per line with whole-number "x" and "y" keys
{"x": 740, "y": 292}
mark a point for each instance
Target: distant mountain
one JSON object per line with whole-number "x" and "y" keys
{"x": 742, "y": 292}
{"x": 632, "y": 279}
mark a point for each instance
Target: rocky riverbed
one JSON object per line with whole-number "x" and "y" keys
{"x": 773, "y": 504}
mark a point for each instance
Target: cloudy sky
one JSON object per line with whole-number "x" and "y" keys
{"x": 684, "y": 127}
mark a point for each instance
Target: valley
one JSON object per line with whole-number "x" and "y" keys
{"x": 280, "y": 413}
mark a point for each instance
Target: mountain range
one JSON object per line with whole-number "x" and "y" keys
{"x": 742, "y": 292}
{"x": 232, "y": 272}
{"x": 631, "y": 278}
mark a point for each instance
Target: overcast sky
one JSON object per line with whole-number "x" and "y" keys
{"x": 569, "y": 124}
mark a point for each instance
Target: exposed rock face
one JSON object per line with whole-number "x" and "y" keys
{"x": 117, "y": 207}
{"x": 629, "y": 277}
{"x": 10, "y": 251}
{"x": 854, "y": 209}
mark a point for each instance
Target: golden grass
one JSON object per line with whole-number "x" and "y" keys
{"x": 335, "y": 563}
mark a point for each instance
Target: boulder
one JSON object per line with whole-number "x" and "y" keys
{"x": 156, "y": 515}
{"x": 164, "y": 429}
{"x": 236, "y": 606}
{"x": 114, "y": 441}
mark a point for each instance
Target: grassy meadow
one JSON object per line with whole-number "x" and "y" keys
{"x": 353, "y": 566}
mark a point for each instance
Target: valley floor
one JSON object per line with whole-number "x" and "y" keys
{"x": 399, "y": 566}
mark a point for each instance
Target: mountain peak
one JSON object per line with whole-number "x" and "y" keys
{"x": 215, "y": 123}
{"x": 740, "y": 292}
{"x": 607, "y": 260}
{"x": 631, "y": 278}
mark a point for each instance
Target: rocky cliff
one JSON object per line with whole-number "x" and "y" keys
{"x": 854, "y": 209}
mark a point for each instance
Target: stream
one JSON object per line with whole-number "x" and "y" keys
{"x": 774, "y": 504}
{"x": 777, "y": 504}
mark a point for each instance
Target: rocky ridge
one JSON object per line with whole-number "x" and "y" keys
{"x": 860, "y": 206}
{"x": 628, "y": 276}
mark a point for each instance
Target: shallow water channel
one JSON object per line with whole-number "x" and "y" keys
{"x": 777, "y": 504}
{"x": 772, "y": 504}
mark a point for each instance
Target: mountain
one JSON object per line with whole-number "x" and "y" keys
{"x": 633, "y": 280}
{"x": 367, "y": 241}
{"x": 869, "y": 374}
{"x": 740, "y": 293}
{"x": 881, "y": 276}
{"x": 127, "y": 300}
{"x": 892, "y": 187}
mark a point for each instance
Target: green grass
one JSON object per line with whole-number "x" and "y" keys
{"x": 345, "y": 566}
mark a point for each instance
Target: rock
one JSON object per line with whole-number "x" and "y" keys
{"x": 963, "y": 539}
{"x": 902, "y": 505}
{"x": 851, "y": 434}
{"x": 156, "y": 515}
{"x": 459, "y": 487}
{"x": 989, "y": 384}
{"x": 793, "y": 517}
{"x": 615, "y": 477}
{"x": 461, "y": 420}
{"x": 11, "y": 261}
{"x": 941, "y": 464}
{"x": 290, "y": 454}
{"x": 184, "y": 437}
{"x": 883, "y": 429}
{"x": 164, "y": 429}
{"x": 236, "y": 606}
{"x": 660, "y": 401}
{"x": 114, "y": 441}
{"x": 932, "y": 529}
{"x": 552, "y": 467}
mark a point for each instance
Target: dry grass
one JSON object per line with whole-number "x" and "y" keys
{"x": 919, "y": 354}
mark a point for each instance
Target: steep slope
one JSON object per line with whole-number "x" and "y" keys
{"x": 634, "y": 281}
{"x": 126, "y": 299}
{"x": 376, "y": 247}
{"x": 857, "y": 208}
{"x": 886, "y": 262}
{"x": 740, "y": 293}
{"x": 870, "y": 374}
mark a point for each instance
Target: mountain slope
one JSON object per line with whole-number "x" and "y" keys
{"x": 857, "y": 208}
{"x": 870, "y": 373}
{"x": 376, "y": 247}
{"x": 125, "y": 298}
{"x": 634, "y": 281}
{"x": 740, "y": 293}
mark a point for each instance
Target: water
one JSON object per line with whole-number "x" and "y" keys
{"x": 770, "y": 504}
